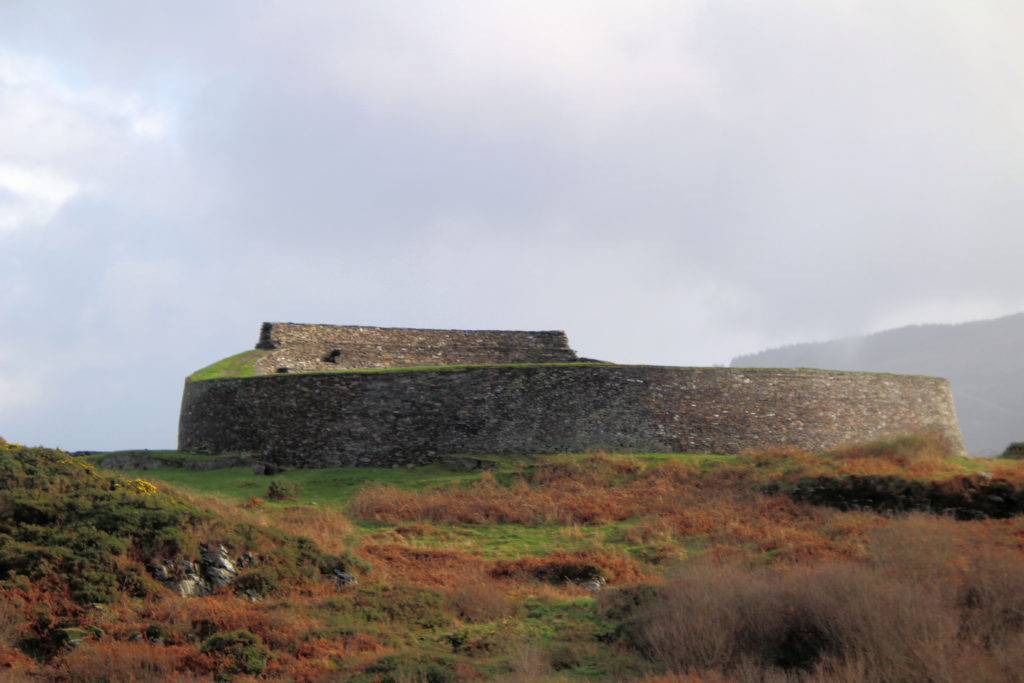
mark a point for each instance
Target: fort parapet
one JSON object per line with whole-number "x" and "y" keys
{"x": 485, "y": 406}
{"x": 324, "y": 348}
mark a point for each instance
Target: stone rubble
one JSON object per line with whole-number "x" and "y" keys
{"x": 215, "y": 569}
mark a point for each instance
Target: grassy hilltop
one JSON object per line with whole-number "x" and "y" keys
{"x": 889, "y": 561}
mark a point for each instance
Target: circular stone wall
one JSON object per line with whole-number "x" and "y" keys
{"x": 413, "y": 416}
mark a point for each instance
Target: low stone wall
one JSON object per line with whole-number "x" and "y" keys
{"x": 321, "y": 348}
{"x": 415, "y": 416}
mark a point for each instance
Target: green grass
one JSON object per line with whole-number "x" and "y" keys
{"x": 494, "y": 541}
{"x": 239, "y": 365}
{"x": 335, "y": 486}
{"x": 330, "y": 486}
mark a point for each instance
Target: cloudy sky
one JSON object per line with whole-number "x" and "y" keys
{"x": 670, "y": 182}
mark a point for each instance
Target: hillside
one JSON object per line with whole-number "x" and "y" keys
{"x": 982, "y": 360}
{"x": 889, "y": 561}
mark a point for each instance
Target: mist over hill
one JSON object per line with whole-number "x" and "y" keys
{"x": 981, "y": 359}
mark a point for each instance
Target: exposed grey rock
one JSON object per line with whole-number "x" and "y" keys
{"x": 219, "y": 577}
{"x": 217, "y": 558}
{"x": 191, "y": 579}
{"x": 344, "y": 578}
{"x": 158, "y": 572}
{"x": 71, "y": 636}
{"x": 190, "y": 587}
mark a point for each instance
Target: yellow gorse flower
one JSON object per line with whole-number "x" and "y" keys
{"x": 142, "y": 486}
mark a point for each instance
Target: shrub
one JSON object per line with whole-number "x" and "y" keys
{"x": 966, "y": 497}
{"x": 481, "y": 600}
{"x": 244, "y": 650}
{"x": 1015, "y": 451}
{"x": 262, "y": 582}
{"x": 281, "y": 489}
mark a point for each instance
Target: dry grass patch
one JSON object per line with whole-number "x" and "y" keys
{"x": 422, "y": 566}
{"x": 326, "y": 526}
{"x": 678, "y": 502}
{"x": 577, "y": 568}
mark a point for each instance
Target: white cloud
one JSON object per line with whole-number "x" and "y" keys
{"x": 21, "y": 390}
{"x": 58, "y": 142}
{"x": 583, "y": 67}
{"x": 20, "y": 387}
{"x": 30, "y": 198}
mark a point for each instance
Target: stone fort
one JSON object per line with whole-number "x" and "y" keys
{"x": 329, "y": 395}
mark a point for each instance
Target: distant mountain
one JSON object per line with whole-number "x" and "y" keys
{"x": 983, "y": 360}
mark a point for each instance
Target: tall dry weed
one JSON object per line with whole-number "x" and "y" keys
{"x": 708, "y": 618}
{"x": 840, "y": 618}
{"x": 897, "y": 630}
{"x": 11, "y": 623}
{"x": 112, "y": 661}
{"x": 920, "y": 547}
{"x": 529, "y": 663}
{"x": 991, "y": 596}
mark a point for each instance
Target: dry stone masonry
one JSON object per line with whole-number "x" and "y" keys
{"x": 323, "y": 348}
{"x": 527, "y": 392}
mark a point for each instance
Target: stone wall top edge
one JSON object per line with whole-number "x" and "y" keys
{"x": 411, "y": 329}
{"x": 578, "y": 367}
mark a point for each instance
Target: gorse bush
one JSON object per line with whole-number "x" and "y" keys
{"x": 75, "y": 544}
{"x": 59, "y": 518}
